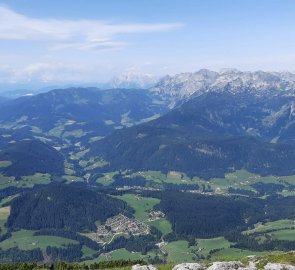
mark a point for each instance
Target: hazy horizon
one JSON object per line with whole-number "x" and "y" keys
{"x": 60, "y": 43}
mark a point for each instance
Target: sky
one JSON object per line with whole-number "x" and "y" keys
{"x": 90, "y": 41}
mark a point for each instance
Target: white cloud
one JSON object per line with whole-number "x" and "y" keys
{"x": 79, "y": 34}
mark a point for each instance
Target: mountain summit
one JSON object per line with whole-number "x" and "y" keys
{"x": 133, "y": 78}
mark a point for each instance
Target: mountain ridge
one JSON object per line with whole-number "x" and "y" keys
{"x": 208, "y": 136}
{"x": 185, "y": 85}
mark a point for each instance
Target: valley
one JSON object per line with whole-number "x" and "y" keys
{"x": 90, "y": 175}
{"x": 147, "y": 135}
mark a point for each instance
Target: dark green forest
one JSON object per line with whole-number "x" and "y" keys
{"x": 62, "y": 206}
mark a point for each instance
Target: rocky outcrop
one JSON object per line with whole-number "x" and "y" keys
{"x": 189, "y": 266}
{"x": 278, "y": 266}
{"x": 234, "y": 265}
{"x": 143, "y": 267}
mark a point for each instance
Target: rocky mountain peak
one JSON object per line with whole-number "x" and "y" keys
{"x": 133, "y": 78}
{"x": 184, "y": 85}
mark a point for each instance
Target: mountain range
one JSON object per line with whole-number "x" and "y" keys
{"x": 210, "y": 135}
{"x": 193, "y": 158}
{"x": 184, "y": 85}
{"x": 133, "y": 79}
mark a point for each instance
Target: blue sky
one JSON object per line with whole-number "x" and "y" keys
{"x": 60, "y": 41}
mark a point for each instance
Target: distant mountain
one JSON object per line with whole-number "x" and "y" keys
{"x": 133, "y": 79}
{"x": 83, "y": 110}
{"x": 28, "y": 157}
{"x": 12, "y": 91}
{"x": 185, "y": 85}
{"x": 17, "y": 93}
{"x": 210, "y": 135}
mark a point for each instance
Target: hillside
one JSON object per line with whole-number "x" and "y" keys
{"x": 3, "y": 99}
{"x": 62, "y": 207}
{"x": 90, "y": 110}
{"x": 90, "y": 175}
{"x": 208, "y": 136}
{"x": 27, "y": 157}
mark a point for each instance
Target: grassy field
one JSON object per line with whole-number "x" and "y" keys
{"x": 88, "y": 252}
{"x": 25, "y": 182}
{"x": 172, "y": 177}
{"x": 4, "y": 214}
{"x": 79, "y": 155}
{"x": 25, "y": 240}
{"x": 178, "y": 251}
{"x": 279, "y": 230}
{"x": 77, "y": 133}
{"x": 240, "y": 179}
{"x": 141, "y": 205}
{"x": 117, "y": 255}
{"x": 234, "y": 254}
{"x": 123, "y": 253}
{"x": 155, "y": 179}
{"x": 206, "y": 245}
{"x": 93, "y": 164}
{"x": 5, "y": 163}
{"x": 163, "y": 225}
{"x": 57, "y": 131}
{"x": 7, "y": 181}
{"x": 275, "y": 225}
{"x": 7, "y": 199}
{"x": 60, "y": 131}
{"x": 95, "y": 139}
{"x": 222, "y": 249}
{"x": 243, "y": 180}
{"x": 36, "y": 179}
{"x": 69, "y": 168}
{"x": 107, "y": 178}
{"x": 287, "y": 235}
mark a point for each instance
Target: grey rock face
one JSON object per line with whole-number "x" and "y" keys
{"x": 279, "y": 266}
{"x": 143, "y": 267}
{"x": 188, "y": 266}
{"x": 182, "y": 86}
{"x": 234, "y": 265}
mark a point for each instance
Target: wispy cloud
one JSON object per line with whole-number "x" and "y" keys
{"x": 75, "y": 34}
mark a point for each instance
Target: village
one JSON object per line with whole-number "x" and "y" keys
{"x": 118, "y": 225}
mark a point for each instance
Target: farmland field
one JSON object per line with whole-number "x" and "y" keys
{"x": 141, "y": 205}
{"x": 26, "y": 240}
